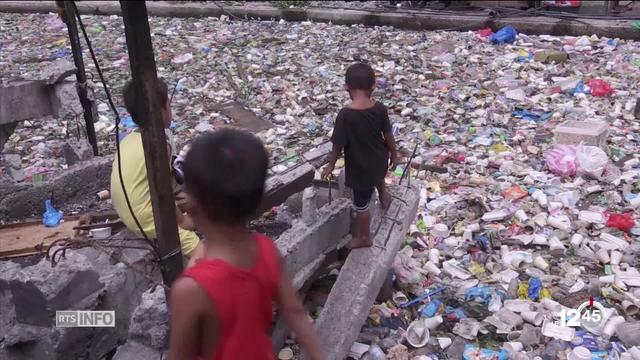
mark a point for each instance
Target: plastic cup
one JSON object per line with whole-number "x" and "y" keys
{"x": 399, "y": 298}
{"x": 630, "y": 308}
{"x": 434, "y": 256}
{"x": 417, "y": 334}
{"x": 611, "y": 326}
{"x": 540, "y": 263}
{"x": 521, "y": 215}
{"x": 512, "y": 347}
{"x": 533, "y": 317}
{"x": 576, "y": 240}
{"x": 433, "y": 322}
{"x": 440, "y": 230}
{"x": 603, "y": 256}
{"x": 579, "y": 353}
{"x": 432, "y": 268}
{"x": 616, "y": 257}
{"x": 285, "y": 354}
{"x": 444, "y": 342}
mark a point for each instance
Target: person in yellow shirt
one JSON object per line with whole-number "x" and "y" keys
{"x": 134, "y": 174}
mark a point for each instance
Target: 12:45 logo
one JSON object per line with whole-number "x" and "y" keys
{"x": 590, "y": 315}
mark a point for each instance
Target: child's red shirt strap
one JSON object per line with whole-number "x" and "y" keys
{"x": 242, "y": 300}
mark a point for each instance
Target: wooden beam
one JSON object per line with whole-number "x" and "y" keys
{"x": 154, "y": 142}
{"x": 81, "y": 76}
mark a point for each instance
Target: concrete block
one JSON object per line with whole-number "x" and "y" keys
{"x": 309, "y": 206}
{"x": 572, "y": 132}
{"x": 76, "y": 151}
{"x": 280, "y": 187}
{"x": 362, "y": 276}
{"x": 302, "y": 244}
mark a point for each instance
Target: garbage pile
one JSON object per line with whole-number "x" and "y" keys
{"x": 526, "y": 243}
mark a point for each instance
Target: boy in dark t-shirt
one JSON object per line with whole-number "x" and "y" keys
{"x": 363, "y": 130}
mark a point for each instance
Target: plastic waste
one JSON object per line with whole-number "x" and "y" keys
{"x": 51, "y": 216}
{"x": 591, "y": 160}
{"x": 505, "y": 35}
{"x": 562, "y": 160}
{"x": 474, "y": 352}
{"x": 623, "y": 222}
{"x": 600, "y": 87}
{"x": 485, "y": 32}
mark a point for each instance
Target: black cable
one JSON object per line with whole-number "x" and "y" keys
{"x": 117, "y": 130}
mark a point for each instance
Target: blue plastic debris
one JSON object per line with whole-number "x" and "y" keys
{"x": 127, "y": 122}
{"x": 579, "y": 89}
{"x": 535, "y": 285}
{"x": 532, "y": 115}
{"x": 422, "y": 297}
{"x": 505, "y": 35}
{"x": 432, "y": 308}
{"x": 482, "y": 293}
{"x": 454, "y": 314}
{"x": 51, "y": 216}
{"x": 524, "y": 59}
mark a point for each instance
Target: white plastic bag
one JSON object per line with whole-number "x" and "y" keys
{"x": 591, "y": 160}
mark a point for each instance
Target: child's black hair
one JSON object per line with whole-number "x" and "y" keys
{"x": 131, "y": 97}
{"x": 225, "y": 172}
{"x": 360, "y": 76}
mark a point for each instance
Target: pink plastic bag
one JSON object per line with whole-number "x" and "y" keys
{"x": 562, "y": 160}
{"x": 599, "y": 87}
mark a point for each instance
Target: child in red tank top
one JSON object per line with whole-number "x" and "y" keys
{"x": 221, "y": 307}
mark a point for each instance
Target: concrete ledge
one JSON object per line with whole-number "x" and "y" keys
{"x": 69, "y": 187}
{"x": 362, "y": 276}
{"x": 301, "y": 245}
{"x": 279, "y": 187}
{"x": 412, "y": 20}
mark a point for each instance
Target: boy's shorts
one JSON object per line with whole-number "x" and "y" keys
{"x": 362, "y": 198}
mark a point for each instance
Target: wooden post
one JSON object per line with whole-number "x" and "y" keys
{"x": 154, "y": 142}
{"x": 81, "y": 77}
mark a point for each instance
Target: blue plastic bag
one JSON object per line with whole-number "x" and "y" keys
{"x": 478, "y": 292}
{"x": 505, "y": 35}
{"x": 579, "y": 89}
{"x": 51, "y": 216}
{"x": 535, "y": 285}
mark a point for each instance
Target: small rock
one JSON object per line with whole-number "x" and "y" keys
{"x": 76, "y": 151}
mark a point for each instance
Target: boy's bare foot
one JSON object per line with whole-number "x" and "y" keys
{"x": 385, "y": 200}
{"x": 359, "y": 242}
